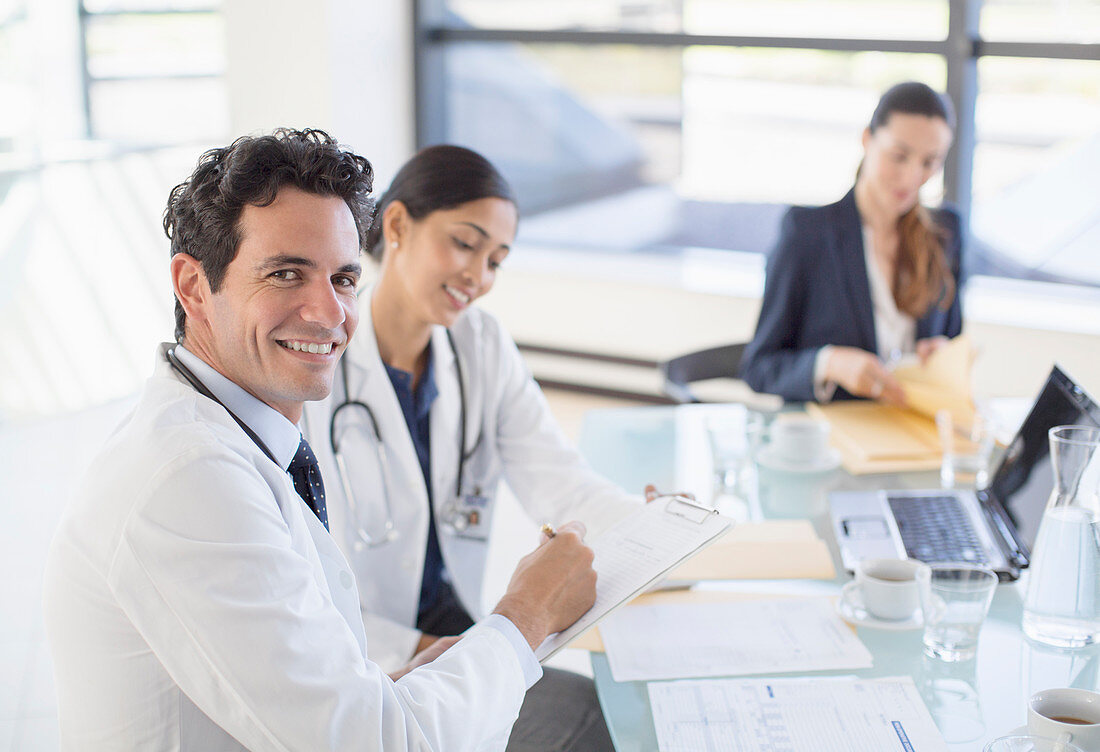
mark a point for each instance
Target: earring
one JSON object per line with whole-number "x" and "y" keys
{"x": 393, "y": 244}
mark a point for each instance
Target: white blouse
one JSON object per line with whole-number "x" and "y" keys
{"x": 895, "y": 331}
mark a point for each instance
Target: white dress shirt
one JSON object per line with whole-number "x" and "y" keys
{"x": 895, "y": 331}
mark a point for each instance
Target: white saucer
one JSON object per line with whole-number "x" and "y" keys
{"x": 850, "y": 607}
{"x": 1023, "y": 731}
{"x": 769, "y": 459}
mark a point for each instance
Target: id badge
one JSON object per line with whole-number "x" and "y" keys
{"x": 472, "y": 520}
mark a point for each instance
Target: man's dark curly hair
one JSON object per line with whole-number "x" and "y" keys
{"x": 203, "y": 213}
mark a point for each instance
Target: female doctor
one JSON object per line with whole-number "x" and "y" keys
{"x": 431, "y": 407}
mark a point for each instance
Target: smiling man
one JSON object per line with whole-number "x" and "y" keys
{"x": 194, "y": 598}
{"x": 285, "y": 307}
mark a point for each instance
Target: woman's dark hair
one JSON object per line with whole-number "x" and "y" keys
{"x": 203, "y": 212}
{"x": 912, "y": 98}
{"x": 922, "y": 277}
{"x": 438, "y": 177}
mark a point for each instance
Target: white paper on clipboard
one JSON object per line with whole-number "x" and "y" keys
{"x": 638, "y": 551}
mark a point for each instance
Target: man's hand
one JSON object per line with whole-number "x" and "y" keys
{"x": 863, "y": 375}
{"x": 552, "y": 586}
{"x": 435, "y": 649}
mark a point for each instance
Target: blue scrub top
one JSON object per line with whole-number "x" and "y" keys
{"x": 416, "y": 407}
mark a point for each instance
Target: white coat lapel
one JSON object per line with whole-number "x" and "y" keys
{"x": 335, "y": 572}
{"x": 409, "y": 495}
{"x": 444, "y": 423}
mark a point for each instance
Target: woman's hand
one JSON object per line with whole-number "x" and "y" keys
{"x": 425, "y": 642}
{"x": 434, "y": 650}
{"x": 925, "y": 347}
{"x": 862, "y": 374}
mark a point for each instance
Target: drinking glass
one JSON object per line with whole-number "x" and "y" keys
{"x": 967, "y": 450}
{"x": 733, "y": 446}
{"x": 955, "y": 604}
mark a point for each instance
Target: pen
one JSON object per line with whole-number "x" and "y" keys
{"x": 548, "y": 530}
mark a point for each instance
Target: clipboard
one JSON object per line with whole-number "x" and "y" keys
{"x": 637, "y": 552}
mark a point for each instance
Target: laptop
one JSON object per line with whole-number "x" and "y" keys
{"x": 995, "y": 526}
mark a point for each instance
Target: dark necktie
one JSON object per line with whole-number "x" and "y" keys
{"x": 306, "y": 474}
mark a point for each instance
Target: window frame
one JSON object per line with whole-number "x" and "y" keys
{"x": 961, "y": 50}
{"x": 89, "y": 80}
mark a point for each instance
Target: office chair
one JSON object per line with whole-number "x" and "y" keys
{"x": 712, "y": 363}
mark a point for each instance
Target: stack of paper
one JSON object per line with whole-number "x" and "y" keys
{"x": 773, "y": 635}
{"x": 877, "y": 438}
{"x": 791, "y": 715}
{"x": 770, "y": 550}
{"x": 592, "y": 641}
{"x": 941, "y": 383}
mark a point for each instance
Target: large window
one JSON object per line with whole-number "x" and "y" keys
{"x": 153, "y": 70}
{"x": 105, "y": 105}
{"x": 655, "y": 125}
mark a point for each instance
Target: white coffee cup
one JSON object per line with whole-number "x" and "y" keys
{"x": 891, "y": 588}
{"x": 1068, "y": 715}
{"x": 800, "y": 439}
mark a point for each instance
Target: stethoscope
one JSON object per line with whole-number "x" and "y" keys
{"x": 455, "y": 518}
{"x": 201, "y": 388}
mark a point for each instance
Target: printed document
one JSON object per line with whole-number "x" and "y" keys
{"x": 636, "y": 552}
{"x": 679, "y": 641}
{"x": 793, "y": 715}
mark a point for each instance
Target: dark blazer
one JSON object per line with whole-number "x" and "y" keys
{"x": 817, "y": 294}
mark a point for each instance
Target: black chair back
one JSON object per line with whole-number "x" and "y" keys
{"x": 712, "y": 363}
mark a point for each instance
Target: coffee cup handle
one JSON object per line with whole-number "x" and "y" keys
{"x": 1060, "y": 742}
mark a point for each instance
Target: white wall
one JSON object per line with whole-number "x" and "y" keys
{"x": 658, "y": 320}
{"x": 341, "y": 65}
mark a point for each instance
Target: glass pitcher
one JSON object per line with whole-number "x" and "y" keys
{"x": 1062, "y": 606}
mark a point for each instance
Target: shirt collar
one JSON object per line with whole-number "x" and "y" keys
{"x": 280, "y": 435}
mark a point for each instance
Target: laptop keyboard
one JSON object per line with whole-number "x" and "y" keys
{"x": 936, "y": 528}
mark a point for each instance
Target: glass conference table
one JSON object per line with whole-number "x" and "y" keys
{"x": 971, "y": 702}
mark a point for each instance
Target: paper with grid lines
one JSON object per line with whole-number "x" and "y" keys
{"x": 792, "y": 715}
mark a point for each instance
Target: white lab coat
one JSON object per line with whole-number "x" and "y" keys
{"x": 194, "y": 603}
{"x": 516, "y": 438}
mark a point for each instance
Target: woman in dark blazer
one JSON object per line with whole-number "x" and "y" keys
{"x": 852, "y": 285}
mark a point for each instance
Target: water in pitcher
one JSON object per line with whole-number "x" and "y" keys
{"x": 1063, "y": 597}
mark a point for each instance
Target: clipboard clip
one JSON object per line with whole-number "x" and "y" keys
{"x": 686, "y": 507}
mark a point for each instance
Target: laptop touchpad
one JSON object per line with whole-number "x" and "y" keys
{"x": 865, "y": 528}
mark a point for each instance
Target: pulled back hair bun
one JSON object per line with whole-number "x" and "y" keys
{"x": 438, "y": 177}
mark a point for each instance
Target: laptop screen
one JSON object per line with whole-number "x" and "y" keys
{"x": 1024, "y": 480}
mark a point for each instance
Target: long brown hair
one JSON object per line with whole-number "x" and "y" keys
{"x": 922, "y": 277}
